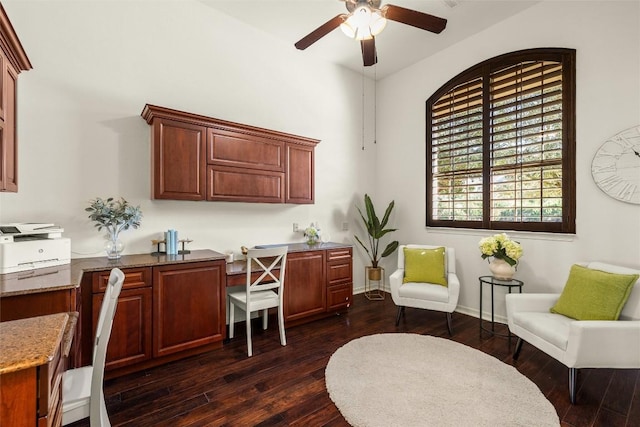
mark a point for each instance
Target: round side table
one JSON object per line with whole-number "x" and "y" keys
{"x": 509, "y": 284}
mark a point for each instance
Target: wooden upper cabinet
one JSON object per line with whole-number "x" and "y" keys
{"x": 178, "y": 160}
{"x": 300, "y": 174}
{"x": 238, "y": 163}
{"x": 13, "y": 60}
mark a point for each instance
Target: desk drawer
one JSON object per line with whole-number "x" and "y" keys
{"x": 50, "y": 391}
{"x": 338, "y": 254}
{"x": 133, "y": 278}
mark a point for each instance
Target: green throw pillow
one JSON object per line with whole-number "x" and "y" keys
{"x": 424, "y": 266}
{"x": 594, "y": 294}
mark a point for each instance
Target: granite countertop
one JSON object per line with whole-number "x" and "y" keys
{"x": 69, "y": 276}
{"x": 30, "y": 342}
{"x": 240, "y": 266}
{"x": 303, "y": 247}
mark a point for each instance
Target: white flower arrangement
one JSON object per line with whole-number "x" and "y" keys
{"x": 500, "y": 246}
{"x": 312, "y": 233}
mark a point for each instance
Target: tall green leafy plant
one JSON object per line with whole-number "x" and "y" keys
{"x": 375, "y": 231}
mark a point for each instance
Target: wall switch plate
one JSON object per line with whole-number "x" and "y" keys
{"x": 295, "y": 227}
{"x": 345, "y": 226}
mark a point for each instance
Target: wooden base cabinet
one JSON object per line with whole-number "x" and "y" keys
{"x": 130, "y": 341}
{"x": 33, "y": 396}
{"x": 188, "y": 306}
{"x": 304, "y": 285}
{"x": 162, "y": 312}
{"x": 339, "y": 278}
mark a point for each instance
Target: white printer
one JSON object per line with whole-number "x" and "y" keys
{"x": 27, "y": 246}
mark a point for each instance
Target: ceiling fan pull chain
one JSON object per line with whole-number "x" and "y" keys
{"x": 363, "y": 105}
{"x": 375, "y": 103}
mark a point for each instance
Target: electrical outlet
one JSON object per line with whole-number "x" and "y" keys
{"x": 345, "y": 226}
{"x": 295, "y": 227}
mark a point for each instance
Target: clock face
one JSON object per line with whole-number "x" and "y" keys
{"x": 616, "y": 166}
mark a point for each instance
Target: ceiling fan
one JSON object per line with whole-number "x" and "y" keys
{"x": 366, "y": 19}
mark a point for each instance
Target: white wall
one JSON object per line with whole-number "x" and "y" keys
{"x": 97, "y": 63}
{"x": 606, "y": 35}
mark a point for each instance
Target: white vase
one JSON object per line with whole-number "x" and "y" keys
{"x": 500, "y": 269}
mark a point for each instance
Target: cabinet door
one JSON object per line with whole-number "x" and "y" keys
{"x": 8, "y": 143}
{"x": 244, "y": 185}
{"x": 300, "y": 174}
{"x": 241, "y": 150}
{"x": 304, "y": 285}
{"x": 188, "y": 306}
{"x": 179, "y": 162}
{"x": 130, "y": 341}
{"x": 339, "y": 278}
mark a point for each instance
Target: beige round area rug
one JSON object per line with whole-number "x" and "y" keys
{"x": 416, "y": 380}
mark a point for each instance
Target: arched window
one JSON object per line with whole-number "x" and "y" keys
{"x": 501, "y": 145}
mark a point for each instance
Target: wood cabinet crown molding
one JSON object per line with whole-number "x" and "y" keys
{"x": 151, "y": 112}
{"x": 11, "y": 45}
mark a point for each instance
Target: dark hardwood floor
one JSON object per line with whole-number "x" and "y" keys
{"x": 282, "y": 386}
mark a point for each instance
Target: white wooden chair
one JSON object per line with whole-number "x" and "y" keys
{"x": 263, "y": 293}
{"x": 82, "y": 394}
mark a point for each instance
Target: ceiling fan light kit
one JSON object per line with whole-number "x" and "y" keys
{"x": 364, "y": 23}
{"x": 366, "y": 19}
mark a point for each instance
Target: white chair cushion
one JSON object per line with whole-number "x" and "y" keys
{"x": 76, "y": 390}
{"x": 424, "y": 291}
{"x": 259, "y": 300}
{"x": 551, "y": 327}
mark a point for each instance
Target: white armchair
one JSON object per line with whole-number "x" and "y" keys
{"x": 578, "y": 343}
{"x": 426, "y": 295}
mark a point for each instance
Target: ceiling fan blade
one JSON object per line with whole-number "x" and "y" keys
{"x": 320, "y": 32}
{"x": 369, "y": 56}
{"x": 415, "y": 18}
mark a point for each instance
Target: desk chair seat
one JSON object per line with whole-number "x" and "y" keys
{"x": 263, "y": 293}
{"x": 82, "y": 394}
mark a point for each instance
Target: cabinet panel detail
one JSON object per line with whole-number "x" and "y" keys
{"x": 246, "y": 151}
{"x": 304, "y": 289}
{"x": 234, "y": 184}
{"x": 134, "y": 278}
{"x": 339, "y": 296}
{"x": 300, "y": 174}
{"x": 337, "y": 273}
{"x": 188, "y": 307}
{"x": 130, "y": 340}
{"x": 178, "y": 160}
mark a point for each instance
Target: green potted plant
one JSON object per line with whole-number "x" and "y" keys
{"x": 114, "y": 216}
{"x": 375, "y": 231}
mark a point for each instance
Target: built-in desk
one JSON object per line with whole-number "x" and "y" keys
{"x": 32, "y": 359}
{"x": 170, "y": 307}
{"x": 318, "y": 280}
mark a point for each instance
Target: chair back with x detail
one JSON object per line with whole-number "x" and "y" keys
{"x": 262, "y": 292}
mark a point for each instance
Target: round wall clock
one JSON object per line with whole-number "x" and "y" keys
{"x": 616, "y": 166}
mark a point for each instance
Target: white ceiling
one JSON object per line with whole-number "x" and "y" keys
{"x": 398, "y": 46}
